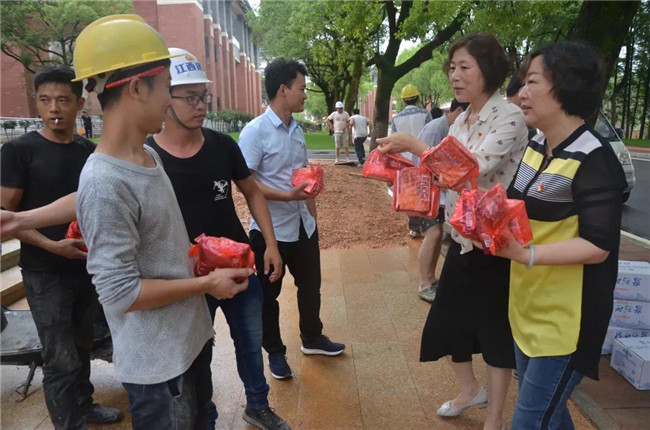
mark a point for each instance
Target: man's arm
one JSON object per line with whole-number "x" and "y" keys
{"x": 260, "y": 211}
{"x": 23, "y": 223}
{"x": 296, "y": 193}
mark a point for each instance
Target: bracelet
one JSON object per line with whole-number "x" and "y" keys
{"x": 531, "y": 260}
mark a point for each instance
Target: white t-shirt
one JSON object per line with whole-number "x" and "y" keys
{"x": 360, "y": 128}
{"x": 340, "y": 121}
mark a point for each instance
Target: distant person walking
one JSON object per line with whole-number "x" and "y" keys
{"x": 339, "y": 122}
{"x": 88, "y": 124}
{"x": 360, "y": 129}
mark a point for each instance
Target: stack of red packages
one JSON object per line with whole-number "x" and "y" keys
{"x": 311, "y": 174}
{"x": 451, "y": 163}
{"x": 415, "y": 193}
{"x": 384, "y": 167}
{"x": 74, "y": 232}
{"x": 220, "y": 253}
{"x": 491, "y": 218}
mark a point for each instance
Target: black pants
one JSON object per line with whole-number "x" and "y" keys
{"x": 182, "y": 403}
{"x": 89, "y": 132}
{"x": 63, "y": 306}
{"x": 359, "y": 149}
{"x": 303, "y": 260}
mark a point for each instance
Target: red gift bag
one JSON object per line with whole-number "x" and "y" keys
{"x": 452, "y": 163}
{"x": 74, "y": 232}
{"x": 311, "y": 174}
{"x": 219, "y": 253}
{"x": 464, "y": 217}
{"x": 384, "y": 167}
{"x": 518, "y": 223}
{"x": 415, "y": 193}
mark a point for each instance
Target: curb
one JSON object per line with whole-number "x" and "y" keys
{"x": 636, "y": 240}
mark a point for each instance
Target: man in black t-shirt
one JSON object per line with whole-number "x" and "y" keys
{"x": 88, "y": 124}
{"x": 202, "y": 164}
{"x": 37, "y": 169}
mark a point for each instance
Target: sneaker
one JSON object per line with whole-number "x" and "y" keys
{"x": 414, "y": 233}
{"x": 336, "y": 161}
{"x": 429, "y": 294}
{"x": 103, "y": 414}
{"x": 279, "y": 367}
{"x": 265, "y": 419}
{"x": 322, "y": 345}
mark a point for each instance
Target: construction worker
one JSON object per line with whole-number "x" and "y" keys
{"x": 202, "y": 164}
{"x": 136, "y": 236}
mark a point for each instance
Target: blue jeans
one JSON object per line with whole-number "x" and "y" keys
{"x": 545, "y": 385}
{"x": 244, "y": 316}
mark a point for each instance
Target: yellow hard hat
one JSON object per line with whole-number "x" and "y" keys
{"x": 116, "y": 42}
{"x": 409, "y": 91}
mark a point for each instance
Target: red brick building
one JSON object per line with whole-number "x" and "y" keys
{"x": 216, "y": 31}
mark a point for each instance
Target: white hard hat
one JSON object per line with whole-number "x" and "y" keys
{"x": 338, "y": 105}
{"x": 186, "y": 69}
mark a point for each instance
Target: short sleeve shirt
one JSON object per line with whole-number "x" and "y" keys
{"x": 360, "y": 128}
{"x": 340, "y": 121}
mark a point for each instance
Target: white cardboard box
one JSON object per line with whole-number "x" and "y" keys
{"x": 633, "y": 281}
{"x": 620, "y": 333}
{"x": 631, "y": 314}
{"x": 631, "y": 358}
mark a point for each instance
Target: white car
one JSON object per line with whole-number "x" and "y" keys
{"x": 605, "y": 129}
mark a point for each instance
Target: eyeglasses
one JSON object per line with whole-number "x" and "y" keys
{"x": 194, "y": 100}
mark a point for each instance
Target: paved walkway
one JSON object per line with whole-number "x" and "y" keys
{"x": 370, "y": 303}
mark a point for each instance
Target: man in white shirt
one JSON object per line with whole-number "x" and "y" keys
{"x": 339, "y": 122}
{"x": 360, "y": 129}
{"x": 273, "y": 145}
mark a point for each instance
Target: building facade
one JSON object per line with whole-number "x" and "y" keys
{"x": 215, "y": 31}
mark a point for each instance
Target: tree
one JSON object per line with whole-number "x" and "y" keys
{"x": 428, "y": 78}
{"x": 37, "y": 33}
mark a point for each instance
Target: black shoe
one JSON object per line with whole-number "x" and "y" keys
{"x": 323, "y": 346}
{"x": 279, "y": 367}
{"x": 103, "y": 414}
{"x": 265, "y": 419}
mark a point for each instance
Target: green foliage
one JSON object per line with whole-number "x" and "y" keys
{"x": 231, "y": 115}
{"x": 41, "y": 32}
{"x": 315, "y": 103}
{"x": 428, "y": 78}
{"x": 9, "y": 125}
{"x": 24, "y": 124}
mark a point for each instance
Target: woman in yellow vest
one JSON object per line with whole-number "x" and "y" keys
{"x": 561, "y": 285}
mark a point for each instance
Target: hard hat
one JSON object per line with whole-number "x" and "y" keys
{"x": 338, "y": 105}
{"x": 409, "y": 91}
{"x": 186, "y": 69}
{"x": 116, "y": 42}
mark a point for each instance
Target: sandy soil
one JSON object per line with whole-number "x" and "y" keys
{"x": 353, "y": 212}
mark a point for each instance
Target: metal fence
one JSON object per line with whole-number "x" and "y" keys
{"x": 11, "y": 128}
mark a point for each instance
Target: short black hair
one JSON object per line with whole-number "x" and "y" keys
{"x": 577, "y": 74}
{"x": 112, "y": 95}
{"x": 281, "y": 71}
{"x": 488, "y": 53}
{"x": 411, "y": 101}
{"x": 355, "y": 111}
{"x": 58, "y": 75}
{"x": 436, "y": 112}
{"x": 455, "y": 104}
{"x": 513, "y": 86}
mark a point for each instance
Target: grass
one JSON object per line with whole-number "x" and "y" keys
{"x": 644, "y": 143}
{"x": 315, "y": 141}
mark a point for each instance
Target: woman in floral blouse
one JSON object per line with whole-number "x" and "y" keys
{"x": 470, "y": 312}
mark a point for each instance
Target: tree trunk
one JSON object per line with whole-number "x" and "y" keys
{"x": 626, "y": 87}
{"x": 636, "y": 105}
{"x": 646, "y": 97}
{"x": 385, "y": 83}
{"x": 613, "y": 116}
{"x": 353, "y": 94}
{"x": 604, "y": 25}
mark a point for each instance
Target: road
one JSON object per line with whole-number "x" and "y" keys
{"x": 636, "y": 212}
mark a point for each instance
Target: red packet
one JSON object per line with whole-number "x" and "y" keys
{"x": 464, "y": 217}
{"x": 311, "y": 174}
{"x": 413, "y": 192}
{"x": 219, "y": 253}
{"x": 452, "y": 163}
{"x": 518, "y": 223}
{"x": 492, "y": 219}
{"x": 384, "y": 167}
{"x": 74, "y": 232}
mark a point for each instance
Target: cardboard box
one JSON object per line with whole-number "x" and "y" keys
{"x": 620, "y": 333}
{"x": 631, "y": 358}
{"x": 631, "y": 314}
{"x": 633, "y": 282}
{"x": 626, "y": 263}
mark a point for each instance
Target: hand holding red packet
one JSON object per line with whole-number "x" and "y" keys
{"x": 311, "y": 174}
{"x": 451, "y": 163}
{"x": 218, "y": 253}
{"x": 384, "y": 167}
{"x": 74, "y": 232}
